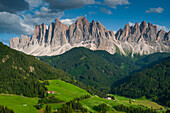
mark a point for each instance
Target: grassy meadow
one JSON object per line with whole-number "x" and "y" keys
{"x": 95, "y": 101}
{"x": 17, "y": 103}
{"x": 140, "y": 101}
{"x": 65, "y": 91}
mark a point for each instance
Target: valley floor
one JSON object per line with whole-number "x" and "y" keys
{"x": 67, "y": 92}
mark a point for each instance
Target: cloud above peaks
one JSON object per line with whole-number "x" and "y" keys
{"x": 13, "y": 6}
{"x": 11, "y": 23}
{"x": 114, "y": 3}
{"x": 69, "y": 21}
{"x": 56, "y": 5}
{"x": 155, "y": 10}
{"x": 159, "y": 27}
{"x": 106, "y": 11}
{"x": 35, "y": 3}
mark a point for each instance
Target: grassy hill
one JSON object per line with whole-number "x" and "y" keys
{"x": 153, "y": 82}
{"x": 17, "y": 103}
{"x": 95, "y": 101}
{"x": 65, "y": 91}
{"x": 139, "y": 101}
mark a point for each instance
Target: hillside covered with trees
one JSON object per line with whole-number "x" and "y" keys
{"x": 20, "y": 73}
{"x": 100, "y": 69}
{"x": 153, "y": 82}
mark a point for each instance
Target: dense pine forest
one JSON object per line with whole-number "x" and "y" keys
{"x": 153, "y": 82}
{"x": 20, "y": 73}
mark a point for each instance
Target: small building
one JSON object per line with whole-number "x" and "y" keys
{"x": 133, "y": 100}
{"x": 24, "y": 104}
{"x": 48, "y": 91}
{"x": 108, "y": 98}
{"x": 52, "y": 92}
{"x": 56, "y": 110}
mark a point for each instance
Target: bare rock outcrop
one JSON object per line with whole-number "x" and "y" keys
{"x": 59, "y": 38}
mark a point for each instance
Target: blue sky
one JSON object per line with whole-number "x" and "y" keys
{"x": 21, "y": 16}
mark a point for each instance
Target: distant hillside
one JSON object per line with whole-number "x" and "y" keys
{"x": 153, "y": 82}
{"x": 19, "y": 73}
{"x": 100, "y": 68}
{"x": 85, "y": 66}
{"x": 129, "y": 65}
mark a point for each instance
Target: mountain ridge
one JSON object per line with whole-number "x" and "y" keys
{"x": 59, "y": 38}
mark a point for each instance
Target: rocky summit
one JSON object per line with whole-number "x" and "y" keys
{"x": 59, "y": 38}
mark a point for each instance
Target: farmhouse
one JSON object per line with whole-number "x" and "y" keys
{"x": 51, "y": 92}
{"x": 48, "y": 91}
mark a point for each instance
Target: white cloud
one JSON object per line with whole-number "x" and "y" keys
{"x": 12, "y": 23}
{"x": 13, "y": 6}
{"x": 92, "y": 13}
{"x": 114, "y": 3}
{"x": 69, "y": 21}
{"x": 131, "y": 24}
{"x": 56, "y": 5}
{"x": 155, "y": 10}
{"x": 104, "y": 10}
{"x": 23, "y": 23}
{"x": 34, "y": 3}
{"x": 159, "y": 27}
{"x": 44, "y": 9}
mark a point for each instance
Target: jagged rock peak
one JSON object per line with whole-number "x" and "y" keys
{"x": 143, "y": 26}
{"x": 127, "y": 27}
{"x": 93, "y": 21}
{"x": 82, "y": 20}
{"x": 136, "y": 25}
{"x": 59, "y": 38}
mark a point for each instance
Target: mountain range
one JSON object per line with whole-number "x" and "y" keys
{"x": 58, "y": 38}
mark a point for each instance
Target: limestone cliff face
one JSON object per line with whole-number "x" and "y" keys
{"x": 14, "y": 42}
{"x": 59, "y": 38}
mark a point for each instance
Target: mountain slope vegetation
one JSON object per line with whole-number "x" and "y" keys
{"x": 86, "y": 66}
{"x": 153, "y": 82}
{"x": 20, "y": 73}
{"x": 100, "y": 68}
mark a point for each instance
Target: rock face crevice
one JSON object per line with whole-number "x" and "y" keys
{"x": 59, "y": 38}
